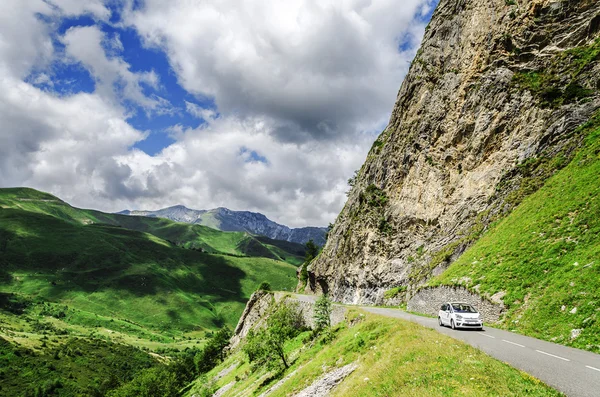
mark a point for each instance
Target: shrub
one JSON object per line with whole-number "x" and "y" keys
{"x": 323, "y": 312}
{"x": 212, "y": 353}
{"x": 265, "y": 347}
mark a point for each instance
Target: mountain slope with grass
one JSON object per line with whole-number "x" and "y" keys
{"x": 93, "y": 302}
{"x": 365, "y": 355}
{"x": 63, "y": 254}
{"x": 544, "y": 258}
{"x": 237, "y": 221}
{"x": 181, "y": 234}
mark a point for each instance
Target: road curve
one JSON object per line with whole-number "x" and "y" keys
{"x": 573, "y": 372}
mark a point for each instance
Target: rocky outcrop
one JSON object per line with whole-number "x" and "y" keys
{"x": 429, "y": 301}
{"x": 323, "y": 386}
{"x": 261, "y": 303}
{"x": 237, "y": 221}
{"x": 254, "y": 316}
{"x": 496, "y": 92}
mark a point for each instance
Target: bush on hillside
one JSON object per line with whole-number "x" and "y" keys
{"x": 322, "y": 314}
{"x": 265, "y": 347}
{"x": 153, "y": 382}
{"x": 213, "y": 353}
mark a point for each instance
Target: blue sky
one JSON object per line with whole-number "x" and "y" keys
{"x": 252, "y": 105}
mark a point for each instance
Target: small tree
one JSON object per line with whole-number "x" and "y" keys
{"x": 212, "y": 353}
{"x": 322, "y": 314}
{"x": 312, "y": 250}
{"x": 264, "y": 286}
{"x": 329, "y": 229}
{"x": 267, "y": 346}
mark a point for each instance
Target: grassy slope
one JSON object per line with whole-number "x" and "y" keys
{"x": 79, "y": 296}
{"x": 74, "y": 367}
{"x": 396, "y": 358}
{"x": 546, "y": 255}
{"x": 124, "y": 274}
{"x": 182, "y": 234}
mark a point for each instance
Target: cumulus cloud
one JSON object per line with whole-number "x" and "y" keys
{"x": 300, "y": 89}
{"x": 114, "y": 79}
{"x": 75, "y": 8}
{"x": 63, "y": 145}
{"x": 319, "y": 68}
{"x": 239, "y": 164}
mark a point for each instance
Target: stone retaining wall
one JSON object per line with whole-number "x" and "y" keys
{"x": 429, "y": 301}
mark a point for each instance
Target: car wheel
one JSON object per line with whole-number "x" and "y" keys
{"x": 440, "y": 322}
{"x": 452, "y": 324}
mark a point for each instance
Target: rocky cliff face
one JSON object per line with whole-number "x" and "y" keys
{"x": 489, "y": 109}
{"x": 237, "y": 221}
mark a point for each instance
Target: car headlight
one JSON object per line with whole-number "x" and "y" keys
{"x": 459, "y": 317}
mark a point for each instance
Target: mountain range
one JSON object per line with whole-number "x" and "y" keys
{"x": 237, "y": 221}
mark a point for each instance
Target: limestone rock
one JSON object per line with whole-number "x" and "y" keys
{"x": 467, "y": 116}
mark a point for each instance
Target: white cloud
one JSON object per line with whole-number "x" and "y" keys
{"x": 210, "y": 166}
{"x": 200, "y": 112}
{"x": 300, "y": 89}
{"x": 114, "y": 79}
{"x": 63, "y": 145}
{"x": 320, "y": 68}
{"x": 78, "y": 7}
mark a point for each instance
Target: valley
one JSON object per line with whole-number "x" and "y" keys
{"x": 71, "y": 276}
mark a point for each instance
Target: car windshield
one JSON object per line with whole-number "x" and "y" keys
{"x": 462, "y": 308}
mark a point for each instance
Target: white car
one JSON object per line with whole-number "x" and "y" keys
{"x": 459, "y": 315}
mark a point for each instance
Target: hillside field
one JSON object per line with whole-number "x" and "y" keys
{"x": 544, "y": 257}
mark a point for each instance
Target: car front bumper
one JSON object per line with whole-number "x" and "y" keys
{"x": 469, "y": 324}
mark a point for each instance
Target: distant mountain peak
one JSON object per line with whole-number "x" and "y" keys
{"x": 224, "y": 219}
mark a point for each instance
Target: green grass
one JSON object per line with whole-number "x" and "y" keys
{"x": 180, "y": 234}
{"x": 77, "y": 367}
{"x": 57, "y": 253}
{"x": 545, "y": 255}
{"x": 394, "y": 292}
{"x": 396, "y": 358}
{"x": 114, "y": 285}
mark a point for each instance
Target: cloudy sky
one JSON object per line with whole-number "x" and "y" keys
{"x": 261, "y": 105}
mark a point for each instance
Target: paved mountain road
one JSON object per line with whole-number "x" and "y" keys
{"x": 572, "y": 371}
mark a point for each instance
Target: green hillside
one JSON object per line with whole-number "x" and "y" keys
{"x": 545, "y": 255}
{"x": 83, "y": 294}
{"x": 54, "y": 252}
{"x": 58, "y": 253}
{"x": 181, "y": 234}
{"x": 393, "y": 357}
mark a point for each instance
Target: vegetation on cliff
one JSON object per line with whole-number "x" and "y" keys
{"x": 543, "y": 257}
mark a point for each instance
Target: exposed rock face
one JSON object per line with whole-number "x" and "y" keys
{"x": 323, "y": 386}
{"x": 237, "y": 221}
{"x": 495, "y": 87}
{"x": 260, "y": 305}
{"x": 253, "y": 316}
